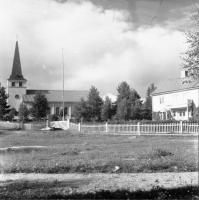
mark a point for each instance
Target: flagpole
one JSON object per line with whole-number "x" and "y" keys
{"x": 63, "y": 81}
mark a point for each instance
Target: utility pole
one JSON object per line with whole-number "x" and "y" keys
{"x": 63, "y": 81}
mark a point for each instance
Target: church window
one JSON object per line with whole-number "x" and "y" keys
{"x": 20, "y": 84}
{"x": 17, "y": 96}
{"x": 48, "y": 110}
{"x": 57, "y": 111}
{"x": 65, "y": 111}
{"x": 13, "y": 84}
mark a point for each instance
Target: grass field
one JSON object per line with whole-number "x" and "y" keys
{"x": 68, "y": 152}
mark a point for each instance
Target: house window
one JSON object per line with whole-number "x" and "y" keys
{"x": 20, "y": 84}
{"x": 161, "y": 100}
{"x": 57, "y": 111}
{"x": 182, "y": 113}
{"x": 13, "y": 84}
{"x": 174, "y": 113}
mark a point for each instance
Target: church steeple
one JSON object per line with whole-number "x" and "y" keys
{"x": 16, "y": 68}
{"x": 16, "y": 84}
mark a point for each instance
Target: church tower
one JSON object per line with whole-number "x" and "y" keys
{"x": 16, "y": 84}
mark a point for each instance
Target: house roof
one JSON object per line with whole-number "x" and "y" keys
{"x": 16, "y": 68}
{"x": 57, "y": 95}
{"x": 175, "y": 85}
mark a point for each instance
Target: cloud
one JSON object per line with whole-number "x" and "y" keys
{"x": 97, "y": 50}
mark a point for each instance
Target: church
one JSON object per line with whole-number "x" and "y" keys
{"x": 18, "y": 92}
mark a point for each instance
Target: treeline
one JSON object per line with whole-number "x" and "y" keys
{"x": 128, "y": 106}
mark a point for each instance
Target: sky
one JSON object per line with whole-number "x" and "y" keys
{"x": 99, "y": 43}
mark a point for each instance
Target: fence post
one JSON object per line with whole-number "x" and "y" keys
{"x": 79, "y": 127}
{"x": 21, "y": 125}
{"x": 47, "y": 123}
{"x": 181, "y": 130}
{"x": 68, "y": 123}
{"x": 138, "y": 125}
{"x": 106, "y": 127}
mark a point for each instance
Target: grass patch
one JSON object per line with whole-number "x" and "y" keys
{"x": 23, "y": 149}
{"x": 69, "y": 152}
{"x": 158, "y": 153}
{"x": 68, "y": 190}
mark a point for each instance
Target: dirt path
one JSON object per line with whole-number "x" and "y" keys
{"x": 96, "y": 182}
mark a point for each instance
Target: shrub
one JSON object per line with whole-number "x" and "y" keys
{"x": 53, "y": 117}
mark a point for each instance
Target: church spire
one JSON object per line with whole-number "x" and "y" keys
{"x": 16, "y": 68}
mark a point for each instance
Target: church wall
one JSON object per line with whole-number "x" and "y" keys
{"x": 15, "y": 96}
{"x": 54, "y": 105}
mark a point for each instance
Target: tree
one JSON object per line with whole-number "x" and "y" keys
{"x": 80, "y": 111}
{"x": 192, "y": 54}
{"x": 123, "y": 91}
{"x": 147, "y": 106}
{"x": 108, "y": 110}
{"x": 94, "y": 104}
{"x": 122, "y": 101}
{"x": 90, "y": 109}
{"x": 135, "y": 105}
{"x": 196, "y": 114}
{"x": 11, "y": 114}
{"x": 122, "y": 110}
{"x": 39, "y": 106}
{"x": 23, "y": 112}
{"x": 128, "y": 103}
{"x": 4, "y": 107}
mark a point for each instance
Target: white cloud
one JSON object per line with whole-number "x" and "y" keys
{"x": 98, "y": 50}
{"x": 111, "y": 96}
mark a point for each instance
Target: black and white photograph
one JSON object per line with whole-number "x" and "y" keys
{"x": 99, "y": 99}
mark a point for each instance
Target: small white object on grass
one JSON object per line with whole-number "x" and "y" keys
{"x": 116, "y": 168}
{"x": 133, "y": 137}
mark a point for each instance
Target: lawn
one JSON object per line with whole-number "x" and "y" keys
{"x": 69, "y": 152}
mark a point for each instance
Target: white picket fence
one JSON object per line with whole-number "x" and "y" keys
{"x": 23, "y": 126}
{"x": 139, "y": 128}
{"x": 10, "y": 125}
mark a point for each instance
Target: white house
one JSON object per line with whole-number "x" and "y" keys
{"x": 179, "y": 96}
{"x": 18, "y": 93}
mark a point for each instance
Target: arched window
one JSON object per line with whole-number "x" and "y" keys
{"x": 48, "y": 110}
{"x": 65, "y": 111}
{"x": 57, "y": 111}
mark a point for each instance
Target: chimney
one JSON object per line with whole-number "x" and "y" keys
{"x": 184, "y": 74}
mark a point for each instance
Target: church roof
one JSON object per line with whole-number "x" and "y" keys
{"x": 16, "y": 68}
{"x": 57, "y": 95}
{"x": 176, "y": 85}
